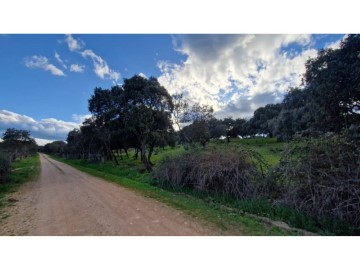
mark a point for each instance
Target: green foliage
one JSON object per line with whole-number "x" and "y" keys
{"x": 197, "y": 132}
{"x": 330, "y": 98}
{"x": 140, "y": 109}
{"x": 57, "y": 147}
{"x": 18, "y": 143}
{"x": 332, "y": 78}
{"x": 260, "y": 122}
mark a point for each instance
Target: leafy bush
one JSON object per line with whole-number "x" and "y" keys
{"x": 321, "y": 177}
{"x": 4, "y": 166}
{"x": 235, "y": 172}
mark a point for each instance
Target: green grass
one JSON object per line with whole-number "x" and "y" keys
{"x": 130, "y": 174}
{"x": 269, "y": 148}
{"x": 21, "y": 171}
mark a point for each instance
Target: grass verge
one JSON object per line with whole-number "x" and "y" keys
{"x": 229, "y": 221}
{"x": 21, "y": 171}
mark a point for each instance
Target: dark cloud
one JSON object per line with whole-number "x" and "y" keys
{"x": 205, "y": 47}
{"x": 266, "y": 98}
{"x": 245, "y": 107}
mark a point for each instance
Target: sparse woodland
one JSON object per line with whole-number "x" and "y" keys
{"x": 318, "y": 173}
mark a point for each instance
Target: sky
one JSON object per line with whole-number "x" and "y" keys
{"x": 47, "y": 79}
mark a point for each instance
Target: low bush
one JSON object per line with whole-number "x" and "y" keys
{"x": 235, "y": 172}
{"x": 321, "y": 177}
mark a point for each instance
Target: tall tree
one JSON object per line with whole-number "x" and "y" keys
{"x": 198, "y": 131}
{"x": 260, "y": 122}
{"x": 334, "y": 84}
{"x": 146, "y": 108}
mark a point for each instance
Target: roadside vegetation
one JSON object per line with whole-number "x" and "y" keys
{"x": 295, "y": 161}
{"x": 20, "y": 172}
{"x": 16, "y": 145}
{"x": 19, "y": 161}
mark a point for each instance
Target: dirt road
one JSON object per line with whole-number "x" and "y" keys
{"x": 65, "y": 201}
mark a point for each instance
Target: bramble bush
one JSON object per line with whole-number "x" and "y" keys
{"x": 235, "y": 172}
{"x": 321, "y": 177}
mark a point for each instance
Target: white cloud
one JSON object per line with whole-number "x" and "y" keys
{"x": 231, "y": 72}
{"x": 80, "y": 118}
{"x": 58, "y": 58}
{"x": 41, "y": 142}
{"x": 42, "y": 62}
{"x": 101, "y": 68}
{"x": 142, "y": 75}
{"x": 46, "y": 129}
{"x": 77, "y": 68}
{"x": 336, "y": 44}
{"x": 74, "y": 44}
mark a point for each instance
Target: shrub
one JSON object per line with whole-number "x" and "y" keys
{"x": 322, "y": 178}
{"x": 4, "y": 166}
{"x": 235, "y": 172}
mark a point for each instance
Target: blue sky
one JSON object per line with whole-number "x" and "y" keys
{"x": 46, "y": 80}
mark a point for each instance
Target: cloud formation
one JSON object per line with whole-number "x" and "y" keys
{"x": 101, "y": 68}
{"x": 60, "y": 61}
{"x": 42, "y": 62}
{"x": 80, "y": 118}
{"x": 48, "y": 129}
{"x": 74, "y": 44}
{"x": 77, "y": 68}
{"x": 236, "y": 74}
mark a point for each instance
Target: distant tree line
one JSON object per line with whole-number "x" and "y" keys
{"x": 16, "y": 144}
{"x": 141, "y": 114}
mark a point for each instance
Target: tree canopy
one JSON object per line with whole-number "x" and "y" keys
{"x": 140, "y": 113}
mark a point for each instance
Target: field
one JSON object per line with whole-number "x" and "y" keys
{"x": 232, "y": 216}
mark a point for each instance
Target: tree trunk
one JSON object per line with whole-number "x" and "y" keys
{"x": 126, "y": 152}
{"x": 136, "y": 153}
{"x": 115, "y": 159}
{"x": 149, "y": 155}
{"x": 144, "y": 158}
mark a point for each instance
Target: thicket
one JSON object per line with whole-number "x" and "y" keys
{"x": 319, "y": 177}
{"x": 236, "y": 172}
